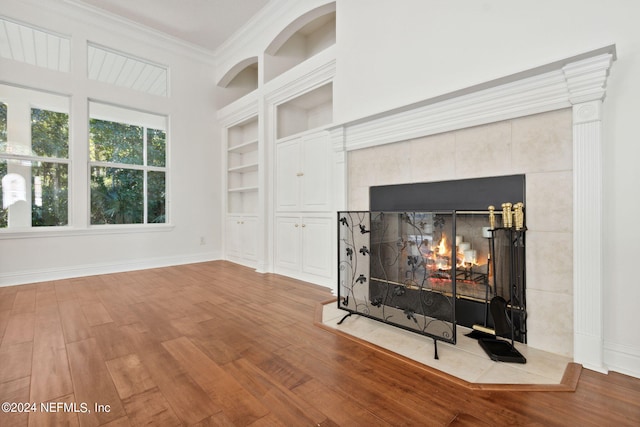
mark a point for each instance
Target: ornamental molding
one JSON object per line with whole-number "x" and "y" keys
{"x": 587, "y": 112}
{"x": 551, "y": 87}
{"x": 238, "y": 111}
{"x": 310, "y": 75}
{"x": 336, "y": 136}
{"x": 587, "y": 79}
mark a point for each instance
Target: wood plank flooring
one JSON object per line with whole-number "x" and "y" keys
{"x": 218, "y": 344}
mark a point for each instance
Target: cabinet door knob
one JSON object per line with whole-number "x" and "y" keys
{"x": 300, "y": 174}
{"x": 304, "y": 225}
{"x": 296, "y": 225}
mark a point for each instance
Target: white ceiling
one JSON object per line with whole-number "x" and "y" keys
{"x": 206, "y": 23}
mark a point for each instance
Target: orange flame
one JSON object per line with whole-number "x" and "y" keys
{"x": 442, "y": 246}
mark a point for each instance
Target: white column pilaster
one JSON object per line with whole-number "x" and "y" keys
{"x": 586, "y": 82}
{"x": 339, "y": 168}
{"x": 340, "y": 186}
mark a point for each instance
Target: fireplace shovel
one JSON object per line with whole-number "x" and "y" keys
{"x": 497, "y": 349}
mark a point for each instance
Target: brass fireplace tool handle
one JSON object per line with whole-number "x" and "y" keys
{"x": 512, "y": 216}
{"x": 492, "y": 217}
{"x": 507, "y": 216}
{"x": 519, "y": 215}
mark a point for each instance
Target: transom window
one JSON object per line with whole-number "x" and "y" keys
{"x": 128, "y": 166}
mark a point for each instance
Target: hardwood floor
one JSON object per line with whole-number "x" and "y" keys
{"x": 218, "y": 344}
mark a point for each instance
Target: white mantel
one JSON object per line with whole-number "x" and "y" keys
{"x": 579, "y": 83}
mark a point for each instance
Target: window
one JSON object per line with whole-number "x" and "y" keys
{"x": 109, "y": 66}
{"x": 34, "y": 158}
{"x": 34, "y": 46}
{"x": 128, "y": 167}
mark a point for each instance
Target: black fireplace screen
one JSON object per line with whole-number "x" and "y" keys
{"x": 400, "y": 268}
{"x": 429, "y": 271}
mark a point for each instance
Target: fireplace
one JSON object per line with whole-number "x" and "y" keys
{"x": 431, "y": 256}
{"x": 545, "y": 123}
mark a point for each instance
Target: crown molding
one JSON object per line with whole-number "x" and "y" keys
{"x": 154, "y": 37}
{"x": 254, "y": 27}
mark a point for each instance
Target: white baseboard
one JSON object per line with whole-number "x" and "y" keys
{"x": 622, "y": 358}
{"x": 71, "y": 271}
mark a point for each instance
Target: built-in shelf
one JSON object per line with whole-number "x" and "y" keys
{"x": 239, "y": 81}
{"x": 242, "y": 167}
{"x": 245, "y": 168}
{"x": 244, "y": 147}
{"x": 242, "y": 189}
{"x": 303, "y": 38}
{"x": 311, "y": 110}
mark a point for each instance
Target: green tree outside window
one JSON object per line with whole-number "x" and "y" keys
{"x": 49, "y": 180}
{"x": 127, "y": 187}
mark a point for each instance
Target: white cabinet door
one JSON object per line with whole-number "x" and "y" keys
{"x": 241, "y": 237}
{"x": 287, "y": 245}
{"x": 249, "y": 238}
{"x": 317, "y": 245}
{"x": 233, "y": 236}
{"x": 303, "y": 174}
{"x": 288, "y": 176}
{"x": 316, "y": 169}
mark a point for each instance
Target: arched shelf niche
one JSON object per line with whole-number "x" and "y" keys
{"x": 303, "y": 38}
{"x": 240, "y": 80}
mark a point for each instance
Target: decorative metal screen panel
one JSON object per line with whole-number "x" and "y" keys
{"x": 399, "y": 268}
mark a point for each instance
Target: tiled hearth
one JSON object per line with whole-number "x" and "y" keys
{"x": 465, "y": 361}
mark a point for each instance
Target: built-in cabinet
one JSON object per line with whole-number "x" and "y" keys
{"x": 304, "y": 222}
{"x": 303, "y": 246}
{"x": 304, "y": 235}
{"x": 279, "y": 161}
{"x": 303, "y": 173}
{"x": 242, "y": 164}
{"x": 242, "y": 238}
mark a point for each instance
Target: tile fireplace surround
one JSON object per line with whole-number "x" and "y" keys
{"x": 544, "y": 123}
{"x": 538, "y": 146}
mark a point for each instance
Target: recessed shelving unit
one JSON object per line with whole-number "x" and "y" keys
{"x": 239, "y": 81}
{"x": 302, "y": 39}
{"x": 311, "y": 110}
{"x": 242, "y": 167}
{"x": 276, "y": 105}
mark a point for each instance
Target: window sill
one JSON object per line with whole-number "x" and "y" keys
{"x": 94, "y": 230}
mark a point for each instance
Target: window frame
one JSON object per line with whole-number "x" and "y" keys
{"x": 121, "y": 109}
{"x": 38, "y": 99}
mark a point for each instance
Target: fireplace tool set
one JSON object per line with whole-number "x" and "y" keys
{"x": 508, "y": 316}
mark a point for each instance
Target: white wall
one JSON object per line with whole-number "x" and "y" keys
{"x": 393, "y": 53}
{"x": 194, "y": 163}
